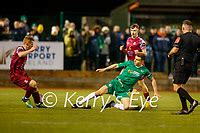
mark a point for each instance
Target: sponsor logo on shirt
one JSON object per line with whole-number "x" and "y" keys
{"x": 134, "y": 72}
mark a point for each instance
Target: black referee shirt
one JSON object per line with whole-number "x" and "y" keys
{"x": 187, "y": 44}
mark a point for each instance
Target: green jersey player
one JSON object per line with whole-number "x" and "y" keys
{"x": 122, "y": 84}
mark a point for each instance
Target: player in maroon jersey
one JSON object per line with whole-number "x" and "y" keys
{"x": 19, "y": 76}
{"x": 136, "y": 46}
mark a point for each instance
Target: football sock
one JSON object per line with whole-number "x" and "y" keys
{"x": 28, "y": 93}
{"x": 146, "y": 95}
{"x": 183, "y": 102}
{"x": 182, "y": 92}
{"x": 119, "y": 106}
{"x": 36, "y": 97}
{"x": 87, "y": 98}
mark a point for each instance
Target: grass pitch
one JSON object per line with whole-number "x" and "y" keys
{"x": 15, "y": 117}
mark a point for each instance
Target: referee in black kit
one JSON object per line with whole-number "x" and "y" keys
{"x": 184, "y": 47}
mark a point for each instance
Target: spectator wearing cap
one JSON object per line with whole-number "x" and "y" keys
{"x": 104, "y": 51}
{"x": 24, "y": 20}
{"x": 34, "y": 32}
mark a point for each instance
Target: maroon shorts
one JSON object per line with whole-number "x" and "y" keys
{"x": 21, "y": 80}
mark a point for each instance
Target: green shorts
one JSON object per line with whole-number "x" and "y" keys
{"x": 115, "y": 87}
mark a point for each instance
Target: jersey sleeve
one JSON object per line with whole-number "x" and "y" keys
{"x": 148, "y": 74}
{"x": 142, "y": 44}
{"x": 123, "y": 64}
{"x": 177, "y": 42}
{"x": 19, "y": 49}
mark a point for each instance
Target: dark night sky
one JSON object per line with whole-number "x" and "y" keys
{"x": 87, "y": 7}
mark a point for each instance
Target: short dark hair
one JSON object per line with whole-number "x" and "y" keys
{"x": 187, "y": 22}
{"x": 134, "y": 25}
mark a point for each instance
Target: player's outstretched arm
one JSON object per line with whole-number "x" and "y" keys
{"x": 113, "y": 66}
{"x": 155, "y": 88}
{"x": 25, "y": 53}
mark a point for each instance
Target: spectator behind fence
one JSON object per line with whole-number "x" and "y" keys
{"x": 104, "y": 54}
{"x": 116, "y": 41}
{"x": 33, "y": 31}
{"x": 66, "y": 27}
{"x": 5, "y": 33}
{"x": 40, "y": 32}
{"x": 70, "y": 45}
{"x": 161, "y": 45}
{"x": 16, "y": 32}
{"x": 94, "y": 48}
{"x": 169, "y": 35}
{"x": 85, "y": 33}
{"x": 55, "y": 34}
{"x": 24, "y": 20}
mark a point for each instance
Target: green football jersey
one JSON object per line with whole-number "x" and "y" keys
{"x": 131, "y": 74}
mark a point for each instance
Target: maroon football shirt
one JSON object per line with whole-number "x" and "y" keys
{"x": 17, "y": 63}
{"x": 133, "y": 44}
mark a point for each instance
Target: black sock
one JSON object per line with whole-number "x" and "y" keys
{"x": 182, "y": 92}
{"x": 183, "y": 102}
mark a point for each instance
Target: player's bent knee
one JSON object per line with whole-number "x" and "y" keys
{"x": 33, "y": 84}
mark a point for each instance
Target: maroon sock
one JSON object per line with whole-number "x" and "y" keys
{"x": 36, "y": 97}
{"x": 146, "y": 95}
{"x": 29, "y": 91}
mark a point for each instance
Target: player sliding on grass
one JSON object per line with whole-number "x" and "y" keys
{"x": 122, "y": 84}
{"x": 136, "y": 46}
{"x": 18, "y": 75}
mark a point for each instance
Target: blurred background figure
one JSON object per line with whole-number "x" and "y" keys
{"x": 5, "y": 33}
{"x": 16, "y": 32}
{"x": 104, "y": 53}
{"x": 33, "y": 31}
{"x": 70, "y": 45}
{"x": 85, "y": 33}
{"x": 24, "y": 20}
{"x": 169, "y": 35}
{"x": 117, "y": 38}
{"x": 161, "y": 44}
{"x": 143, "y": 34}
{"x": 55, "y": 36}
{"x": 95, "y": 43}
{"x": 40, "y": 32}
{"x": 66, "y": 27}
{"x": 126, "y": 35}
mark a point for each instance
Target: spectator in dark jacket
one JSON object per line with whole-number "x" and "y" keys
{"x": 161, "y": 45}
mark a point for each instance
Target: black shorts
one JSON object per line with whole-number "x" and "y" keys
{"x": 182, "y": 72}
